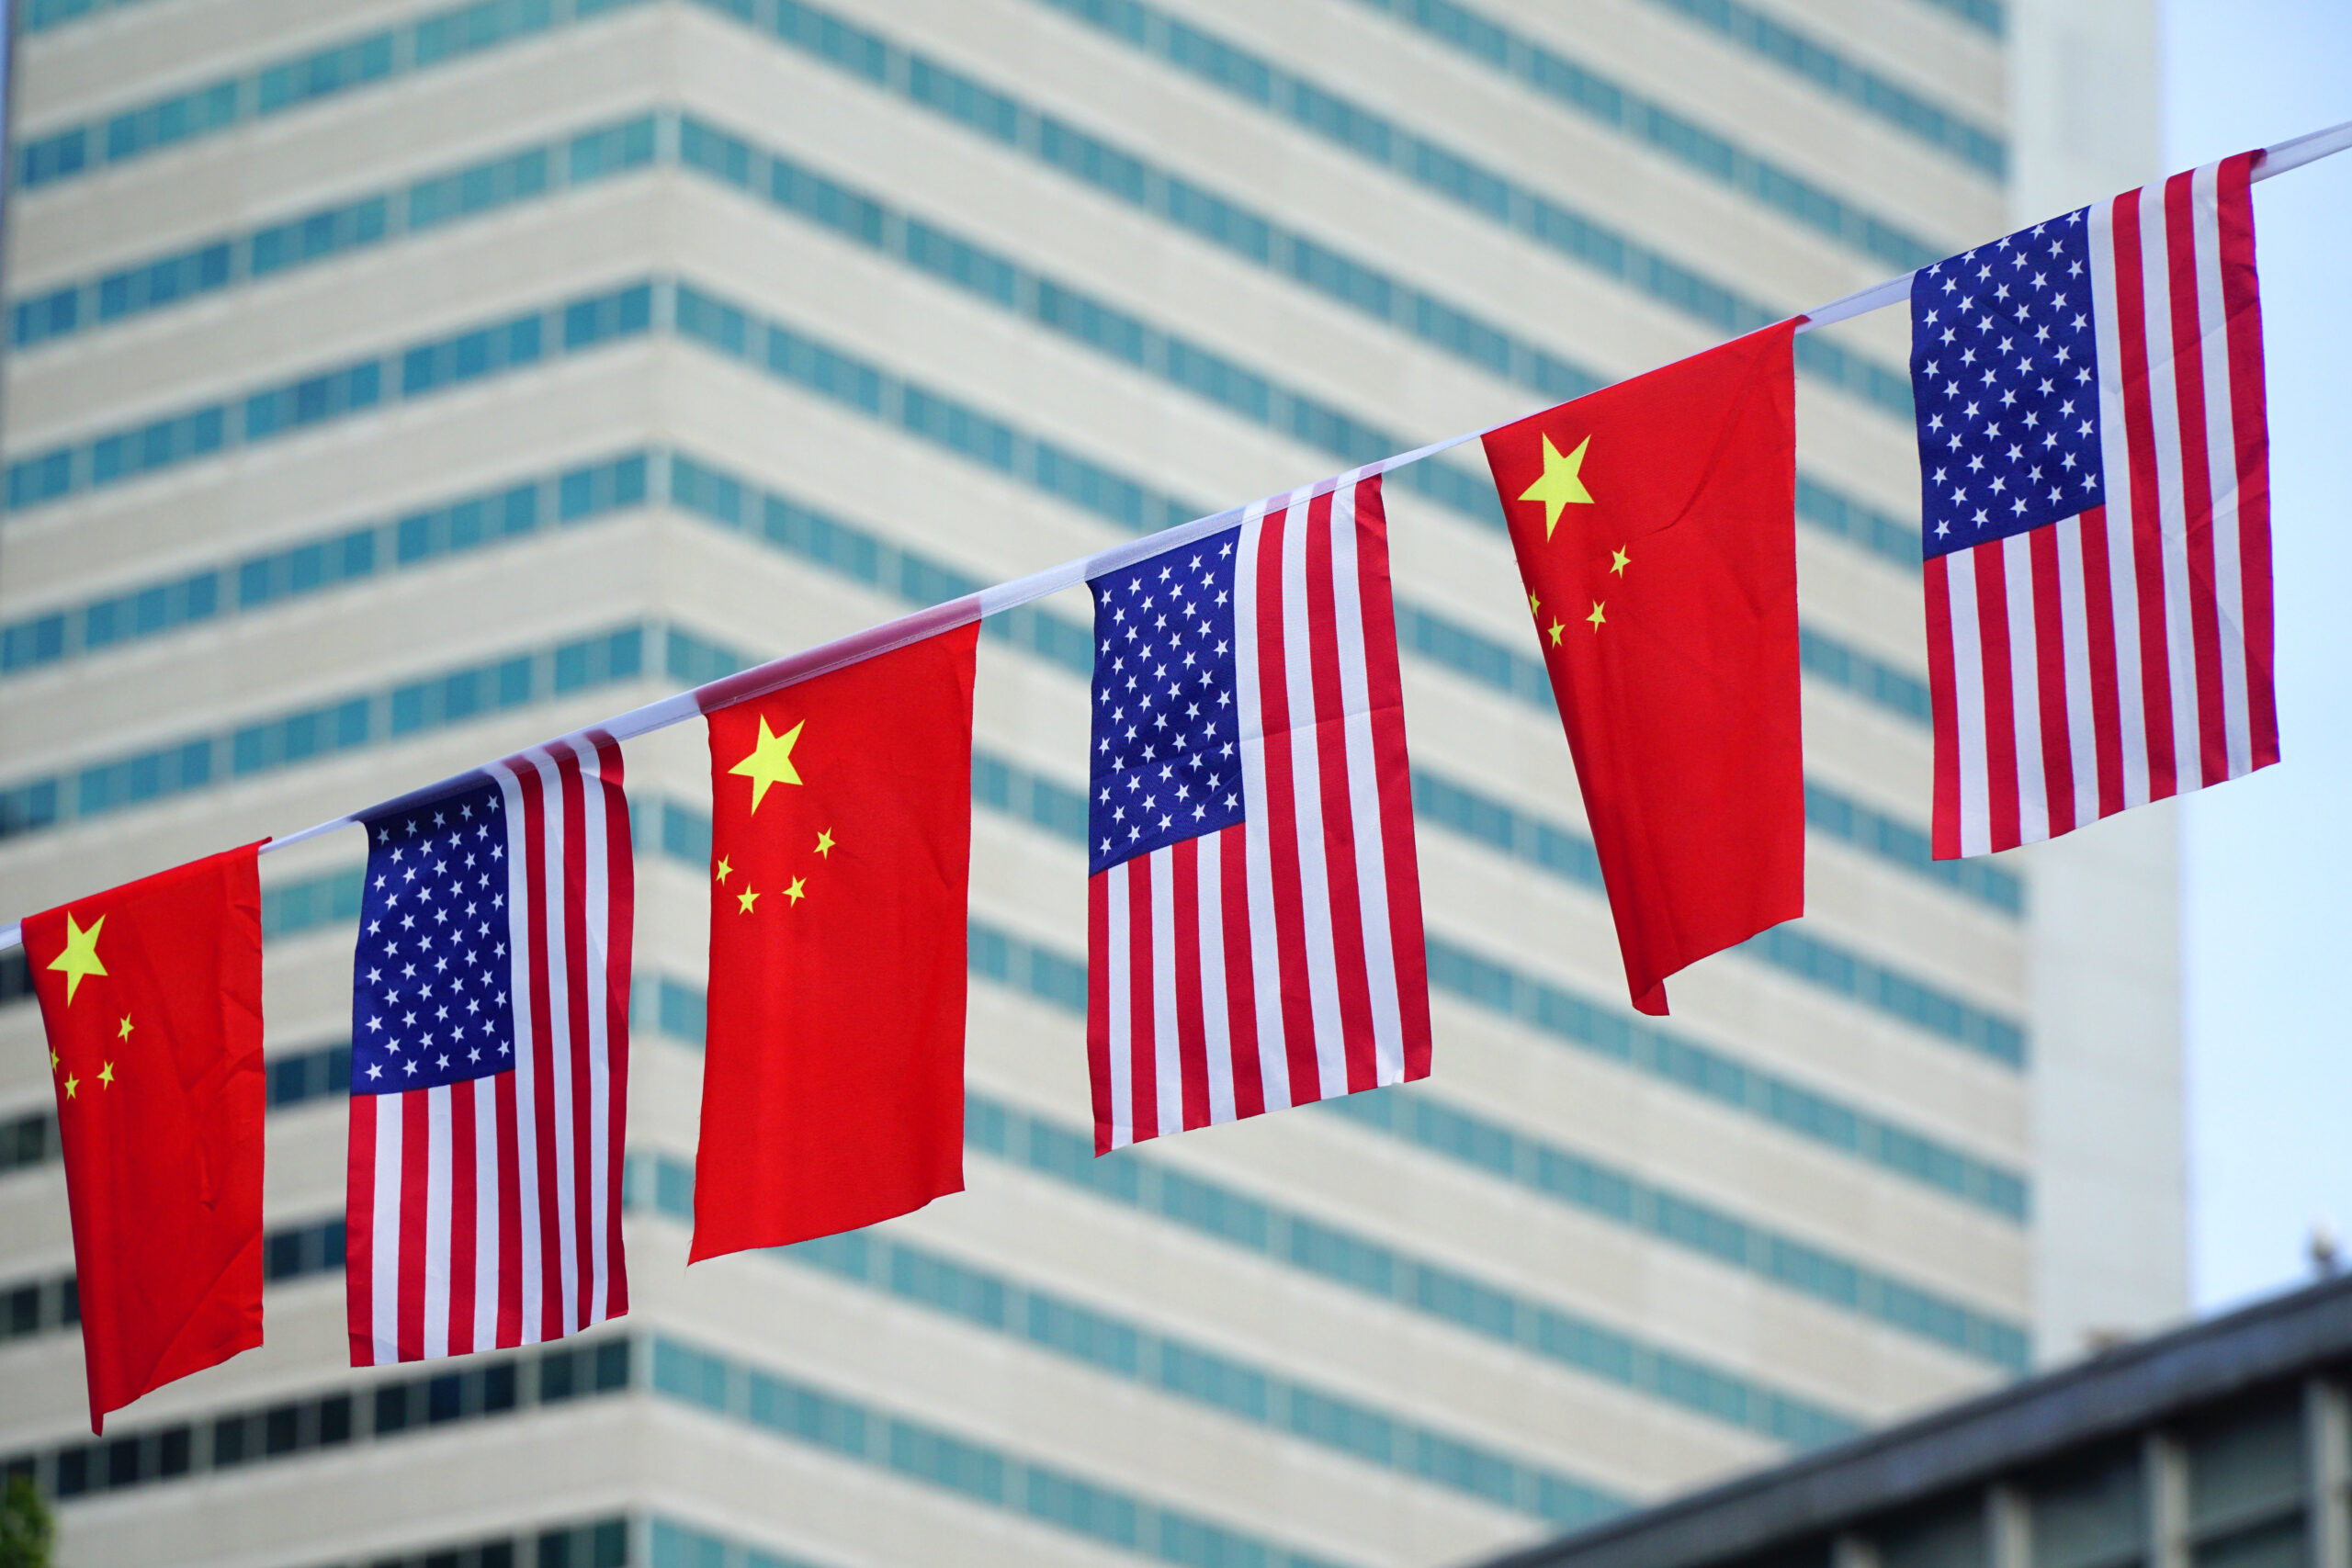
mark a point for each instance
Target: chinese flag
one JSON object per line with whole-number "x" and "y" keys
{"x": 150, "y": 994}
{"x": 832, "y": 1091}
{"x": 1655, "y": 523}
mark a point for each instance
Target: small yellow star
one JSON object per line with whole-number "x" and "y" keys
{"x": 1534, "y": 606}
{"x": 1562, "y": 484}
{"x": 794, "y": 892}
{"x": 1596, "y": 617}
{"x": 124, "y": 1033}
{"x": 725, "y": 870}
{"x": 747, "y": 898}
{"x": 770, "y": 762}
{"x": 825, "y": 842}
{"x": 79, "y": 956}
{"x": 72, "y": 1083}
{"x": 53, "y": 1061}
{"x": 106, "y": 1074}
{"x": 1558, "y": 627}
{"x": 1619, "y": 560}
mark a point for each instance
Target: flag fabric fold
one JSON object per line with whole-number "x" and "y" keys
{"x": 151, "y": 997}
{"x": 1654, "y": 526}
{"x": 841, "y": 850}
{"x": 1254, "y": 915}
{"x": 2094, "y": 459}
{"x": 490, "y": 1061}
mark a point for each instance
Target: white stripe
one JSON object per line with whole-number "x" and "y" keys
{"x": 1307, "y": 818}
{"x": 1119, "y": 987}
{"x": 1217, "y": 1026}
{"x": 2074, "y": 623}
{"x": 1265, "y": 958}
{"x": 597, "y": 963}
{"x": 436, "y": 1155}
{"x": 2025, "y": 689}
{"x": 2222, "y": 465}
{"x": 519, "y": 894}
{"x": 486, "y": 1280}
{"x": 1968, "y": 702}
{"x": 1166, "y": 1052}
{"x": 556, "y": 1050}
{"x": 1363, "y": 795}
{"x": 384, "y": 1275}
{"x": 2164, "y": 411}
{"x": 2115, "y": 463}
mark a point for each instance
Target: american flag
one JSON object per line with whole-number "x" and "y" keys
{"x": 1254, "y": 925}
{"x": 490, "y": 1061}
{"x": 2093, "y": 455}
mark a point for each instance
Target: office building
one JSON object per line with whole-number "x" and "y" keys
{"x": 390, "y": 385}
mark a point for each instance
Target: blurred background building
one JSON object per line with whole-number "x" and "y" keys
{"x": 388, "y": 385}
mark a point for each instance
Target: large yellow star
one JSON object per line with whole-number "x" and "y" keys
{"x": 81, "y": 955}
{"x": 1562, "y": 484}
{"x": 770, "y": 762}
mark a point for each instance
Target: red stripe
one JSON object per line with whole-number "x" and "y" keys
{"x": 1143, "y": 1067}
{"x": 2147, "y": 532}
{"x": 576, "y": 962}
{"x": 1099, "y": 961}
{"x": 2196, "y": 476}
{"x": 542, "y": 1107}
{"x": 1192, "y": 1036}
{"x": 1943, "y": 705}
{"x": 416, "y": 1138}
{"x": 510, "y": 1212}
{"x": 1327, "y": 726}
{"x": 1281, "y": 828}
{"x": 460, "y": 1328}
{"x": 2250, "y": 430}
{"x": 1240, "y": 991}
{"x": 359, "y": 1231}
{"x": 2000, "y": 696}
{"x": 620, "y": 905}
{"x": 2050, "y": 654}
{"x": 1393, "y": 769}
{"x": 2098, "y": 636}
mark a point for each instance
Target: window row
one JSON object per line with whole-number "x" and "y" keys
{"x": 319, "y": 399}
{"x": 437, "y": 39}
{"x": 486, "y": 1387}
{"x": 412, "y": 708}
{"x": 1121, "y": 1347}
{"x": 1599, "y": 99}
{"x": 964, "y": 99}
{"x": 44, "y": 1306}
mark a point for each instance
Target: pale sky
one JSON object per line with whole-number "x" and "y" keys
{"x": 2269, "y": 860}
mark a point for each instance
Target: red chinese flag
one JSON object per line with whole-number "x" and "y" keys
{"x": 832, "y": 1091}
{"x": 150, "y": 994}
{"x": 1655, "y": 523}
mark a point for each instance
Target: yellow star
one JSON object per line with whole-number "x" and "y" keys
{"x": 106, "y": 1074}
{"x": 1558, "y": 627}
{"x": 1596, "y": 617}
{"x": 770, "y": 762}
{"x": 72, "y": 1083}
{"x": 1534, "y": 607}
{"x": 124, "y": 1033}
{"x": 747, "y": 898}
{"x": 725, "y": 870}
{"x": 81, "y": 955}
{"x": 53, "y": 1061}
{"x": 825, "y": 842}
{"x": 794, "y": 892}
{"x": 1619, "y": 560}
{"x": 1562, "y": 484}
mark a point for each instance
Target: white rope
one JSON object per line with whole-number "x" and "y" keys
{"x": 794, "y": 668}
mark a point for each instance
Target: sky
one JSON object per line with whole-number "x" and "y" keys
{"x": 2267, "y": 859}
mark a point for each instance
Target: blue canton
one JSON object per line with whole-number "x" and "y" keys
{"x": 429, "y": 1001}
{"x": 1167, "y": 765}
{"x": 2004, "y": 375}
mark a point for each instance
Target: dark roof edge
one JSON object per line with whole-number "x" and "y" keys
{"x": 1975, "y": 1441}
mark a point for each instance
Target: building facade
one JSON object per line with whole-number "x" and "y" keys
{"x": 390, "y": 385}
